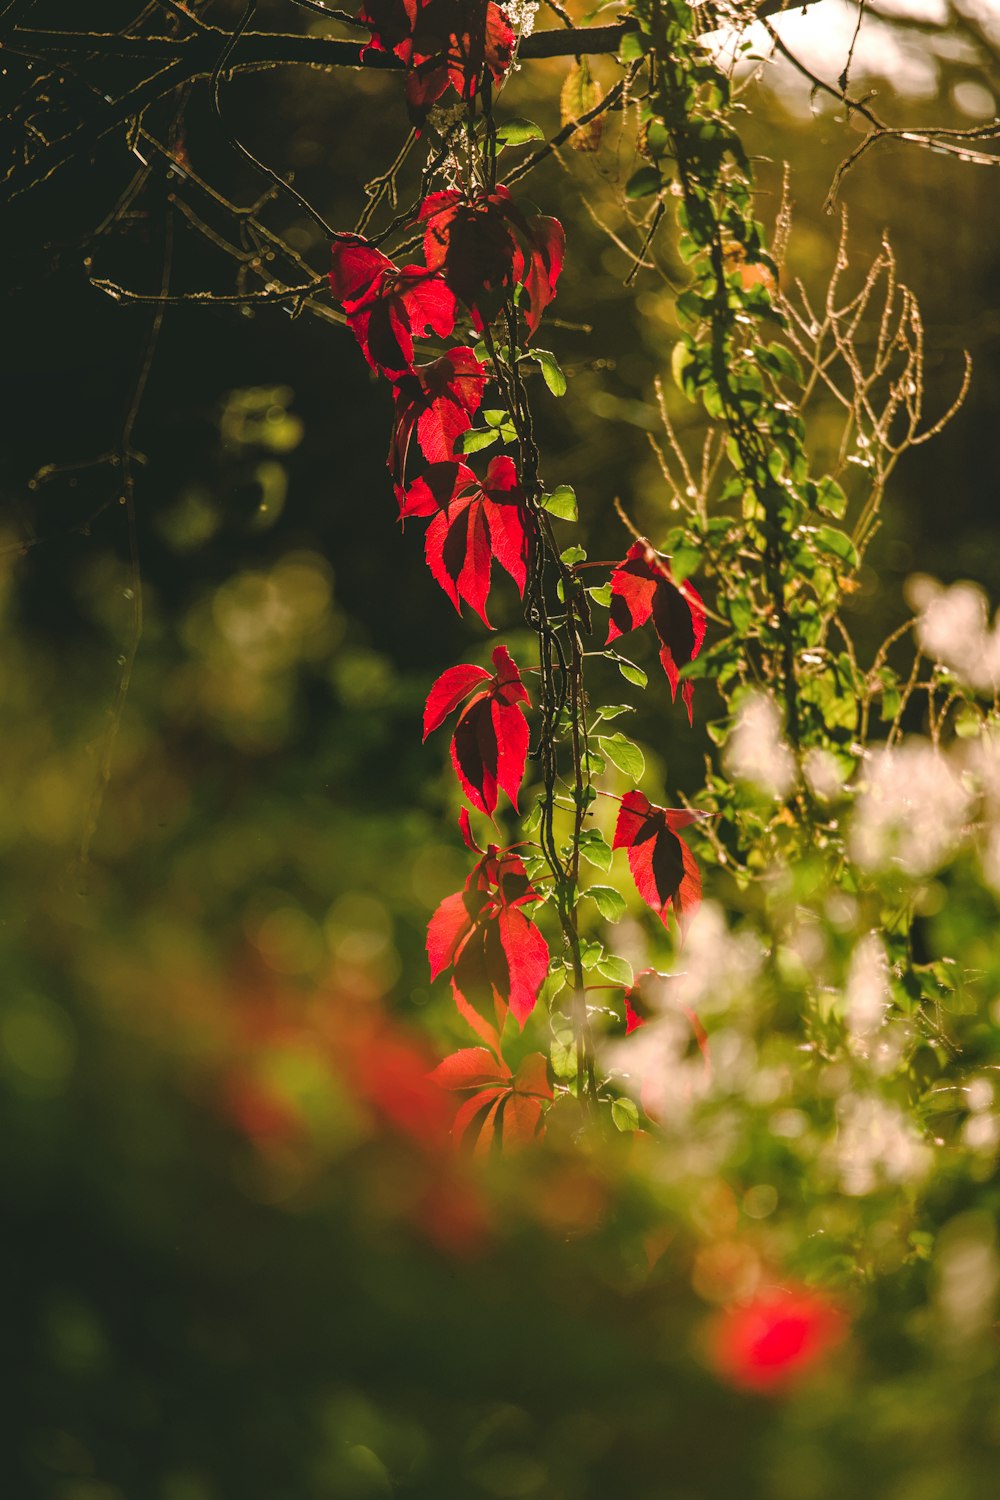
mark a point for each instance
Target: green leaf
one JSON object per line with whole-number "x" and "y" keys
{"x": 495, "y": 417}
{"x": 516, "y": 132}
{"x": 685, "y": 561}
{"x": 595, "y": 849}
{"x": 625, "y": 1114}
{"x": 837, "y": 543}
{"x": 647, "y": 180}
{"x": 551, "y": 371}
{"x": 632, "y": 673}
{"x": 633, "y": 46}
{"x": 612, "y": 710}
{"x": 475, "y": 439}
{"x": 618, "y": 970}
{"x": 610, "y": 903}
{"x": 573, "y": 555}
{"x": 561, "y": 503}
{"x": 601, "y": 595}
{"x": 830, "y": 498}
{"x": 622, "y": 753}
{"x": 591, "y": 954}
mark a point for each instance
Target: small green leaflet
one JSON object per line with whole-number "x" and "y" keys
{"x": 475, "y": 439}
{"x": 622, "y": 753}
{"x": 516, "y": 132}
{"x": 625, "y": 1115}
{"x": 601, "y": 595}
{"x": 573, "y": 555}
{"x": 618, "y": 970}
{"x": 612, "y": 710}
{"x": 551, "y": 371}
{"x": 610, "y": 903}
{"x": 632, "y": 673}
{"x": 561, "y": 503}
{"x": 647, "y": 180}
{"x": 684, "y": 561}
{"x": 592, "y": 954}
{"x": 595, "y": 848}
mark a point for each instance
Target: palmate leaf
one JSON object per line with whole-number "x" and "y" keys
{"x": 473, "y": 522}
{"x": 507, "y": 1107}
{"x": 642, "y": 586}
{"x": 387, "y": 306}
{"x": 497, "y": 955}
{"x": 483, "y": 245}
{"x": 439, "y": 400}
{"x": 490, "y": 745}
{"x": 443, "y": 44}
{"x": 662, "y": 865}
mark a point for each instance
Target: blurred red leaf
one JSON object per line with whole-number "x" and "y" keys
{"x": 507, "y": 1108}
{"x": 642, "y": 585}
{"x": 768, "y": 1344}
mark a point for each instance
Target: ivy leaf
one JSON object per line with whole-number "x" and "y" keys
{"x": 662, "y": 865}
{"x": 476, "y": 439}
{"x": 473, "y": 522}
{"x": 561, "y": 503}
{"x": 484, "y": 245}
{"x": 386, "y": 306}
{"x": 631, "y": 672}
{"x": 500, "y": 1106}
{"x": 621, "y": 752}
{"x": 642, "y": 586}
{"x": 490, "y": 745}
{"x": 497, "y": 955}
{"x": 439, "y": 400}
{"x": 610, "y": 903}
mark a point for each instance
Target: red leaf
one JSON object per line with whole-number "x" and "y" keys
{"x": 473, "y": 524}
{"x": 768, "y": 1344}
{"x": 470, "y": 1068}
{"x": 483, "y": 244}
{"x": 497, "y": 955}
{"x": 642, "y": 585}
{"x": 449, "y": 690}
{"x": 662, "y": 865}
{"x": 442, "y": 43}
{"x": 490, "y": 745}
{"x": 438, "y": 399}
{"x": 387, "y": 306}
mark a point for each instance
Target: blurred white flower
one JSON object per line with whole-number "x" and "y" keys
{"x": 824, "y": 775}
{"x": 911, "y": 811}
{"x": 867, "y": 995}
{"x": 877, "y": 1146}
{"x": 953, "y": 629}
{"x": 755, "y": 751}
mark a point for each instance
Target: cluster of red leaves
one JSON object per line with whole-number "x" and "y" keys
{"x": 769, "y": 1344}
{"x": 506, "y": 1107}
{"x": 464, "y": 45}
{"x": 387, "y": 305}
{"x": 662, "y": 865}
{"x": 497, "y": 956}
{"x": 484, "y": 246}
{"x": 642, "y": 585}
{"x": 490, "y": 744}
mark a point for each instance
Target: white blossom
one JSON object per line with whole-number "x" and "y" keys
{"x": 755, "y": 751}
{"x": 877, "y": 1146}
{"x": 911, "y": 812}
